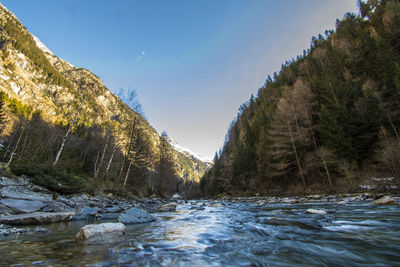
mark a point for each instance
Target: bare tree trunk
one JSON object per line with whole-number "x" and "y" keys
{"x": 297, "y": 123}
{"x": 327, "y": 171}
{"x": 152, "y": 186}
{"x": 122, "y": 168}
{"x": 332, "y": 91}
{"x": 131, "y": 132}
{"x": 101, "y": 161}
{"x": 384, "y": 134}
{"x": 127, "y": 174}
{"x": 14, "y": 150}
{"x": 111, "y": 158}
{"x": 394, "y": 128}
{"x": 297, "y": 156}
{"x": 24, "y": 144}
{"x": 84, "y": 158}
{"x": 68, "y": 132}
{"x": 316, "y": 148}
{"x": 62, "y": 146}
{"x": 308, "y": 117}
{"x": 392, "y": 164}
{"x": 95, "y": 164}
{"x": 8, "y": 147}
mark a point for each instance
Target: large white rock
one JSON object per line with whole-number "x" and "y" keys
{"x": 343, "y": 202}
{"x": 314, "y": 211}
{"x": 135, "y": 215}
{"x": 386, "y": 200}
{"x": 176, "y": 196}
{"x": 101, "y": 233}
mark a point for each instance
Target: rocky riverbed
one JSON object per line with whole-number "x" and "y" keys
{"x": 38, "y": 226}
{"x": 24, "y": 203}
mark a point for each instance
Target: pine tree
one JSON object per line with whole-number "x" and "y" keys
{"x": 166, "y": 168}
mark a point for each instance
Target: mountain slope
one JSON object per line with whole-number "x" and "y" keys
{"x": 76, "y": 108}
{"x": 328, "y": 121}
{"x": 191, "y": 166}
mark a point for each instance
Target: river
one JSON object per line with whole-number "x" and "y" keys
{"x": 228, "y": 234}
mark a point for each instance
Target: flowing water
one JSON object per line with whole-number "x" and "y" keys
{"x": 228, "y": 234}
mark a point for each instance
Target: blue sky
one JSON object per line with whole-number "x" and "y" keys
{"x": 192, "y": 62}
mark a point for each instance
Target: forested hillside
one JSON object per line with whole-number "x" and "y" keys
{"x": 63, "y": 128}
{"x": 327, "y": 121}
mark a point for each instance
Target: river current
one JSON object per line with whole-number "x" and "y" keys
{"x": 228, "y": 234}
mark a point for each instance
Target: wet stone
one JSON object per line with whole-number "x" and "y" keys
{"x": 101, "y": 233}
{"x": 5, "y": 210}
{"x": 195, "y": 207}
{"x": 315, "y": 211}
{"x": 113, "y": 209}
{"x": 109, "y": 216}
{"x": 167, "y": 207}
{"x": 19, "y": 192}
{"x": 36, "y": 218}
{"x": 386, "y": 200}
{"x": 134, "y": 216}
{"x": 4, "y": 181}
{"x": 22, "y": 206}
{"x": 87, "y": 211}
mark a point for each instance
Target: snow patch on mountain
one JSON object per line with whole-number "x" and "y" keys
{"x": 45, "y": 49}
{"x": 186, "y": 151}
{"x": 41, "y": 45}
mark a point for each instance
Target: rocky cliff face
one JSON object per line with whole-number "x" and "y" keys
{"x": 31, "y": 74}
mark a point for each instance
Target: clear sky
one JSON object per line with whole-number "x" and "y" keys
{"x": 192, "y": 62}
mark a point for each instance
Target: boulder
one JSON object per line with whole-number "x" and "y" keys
{"x": 195, "y": 207}
{"x": 218, "y": 205}
{"x": 101, "y": 233}
{"x": 21, "y": 192}
{"x": 22, "y": 206}
{"x": 113, "y": 209}
{"x": 176, "y": 196}
{"x": 109, "y": 216}
{"x": 57, "y": 206}
{"x": 79, "y": 200}
{"x": 167, "y": 207}
{"x": 386, "y": 200}
{"x": 343, "y": 202}
{"x": 65, "y": 201}
{"x": 86, "y": 213}
{"x": 290, "y": 200}
{"x": 4, "y": 181}
{"x": 36, "y": 218}
{"x": 259, "y": 203}
{"x": 314, "y": 211}
{"x": 134, "y": 216}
